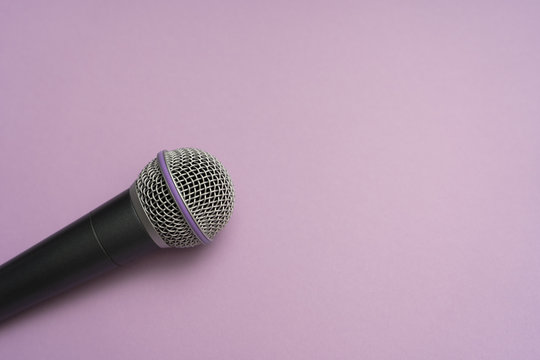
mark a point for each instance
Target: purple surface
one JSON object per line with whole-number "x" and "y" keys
{"x": 385, "y": 158}
{"x": 178, "y": 199}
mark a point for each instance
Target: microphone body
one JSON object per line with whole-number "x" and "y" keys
{"x": 110, "y": 236}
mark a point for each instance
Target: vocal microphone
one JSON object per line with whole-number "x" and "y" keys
{"x": 181, "y": 199}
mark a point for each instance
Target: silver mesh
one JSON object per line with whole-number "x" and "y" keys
{"x": 205, "y": 187}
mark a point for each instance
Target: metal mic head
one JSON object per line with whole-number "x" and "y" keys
{"x": 183, "y": 197}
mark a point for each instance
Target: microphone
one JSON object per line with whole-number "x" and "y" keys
{"x": 181, "y": 199}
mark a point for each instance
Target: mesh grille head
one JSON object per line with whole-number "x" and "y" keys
{"x": 206, "y": 190}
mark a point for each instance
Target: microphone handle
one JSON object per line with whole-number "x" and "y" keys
{"x": 108, "y": 237}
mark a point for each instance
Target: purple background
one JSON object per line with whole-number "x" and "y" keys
{"x": 385, "y": 157}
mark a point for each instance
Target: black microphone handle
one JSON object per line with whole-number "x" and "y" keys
{"x": 108, "y": 237}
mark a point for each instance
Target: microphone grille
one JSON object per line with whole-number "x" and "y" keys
{"x": 204, "y": 187}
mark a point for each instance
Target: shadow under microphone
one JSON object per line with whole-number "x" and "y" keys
{"x": 181, "y": 199}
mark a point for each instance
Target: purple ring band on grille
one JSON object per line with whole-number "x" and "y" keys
{"x": 178, "y": 199}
